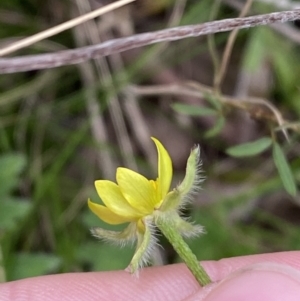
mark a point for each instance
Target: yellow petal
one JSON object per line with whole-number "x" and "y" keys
{"x": 138, "y": 191}
{"x": 141, "y": 226}
{"x": 165, "y": 170}
{"x": 112, "y": 197}
{"x": 106, "y": 215}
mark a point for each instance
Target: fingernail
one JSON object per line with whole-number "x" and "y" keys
{"x": 259, "y": 282}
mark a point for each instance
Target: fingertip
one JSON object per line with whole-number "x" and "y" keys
{"x": 260, "y": 282}
{"x": 159, "y": 283}
{"x": 173, "y": 282}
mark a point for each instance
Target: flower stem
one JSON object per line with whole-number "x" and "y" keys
{"x": 183, "y": 251}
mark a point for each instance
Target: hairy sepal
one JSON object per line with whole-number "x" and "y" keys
{"x": 146, "y": 243}
{"x": 192, "y": 180}
{"x": 128, "y": 235}
{"x": 182, "y": 226}
{"x": 183, "y": 193}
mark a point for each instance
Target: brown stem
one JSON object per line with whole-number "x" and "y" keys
{"x": 79, "y": 55}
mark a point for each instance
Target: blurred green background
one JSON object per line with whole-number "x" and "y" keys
{"x": 62, "y": 129}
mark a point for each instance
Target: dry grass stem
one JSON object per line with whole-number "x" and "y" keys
{"x": 258, "y": 108}
{"x": 79, "y": 55}
{"x": 62, "y": 27}
{"x": 228, "y": 49}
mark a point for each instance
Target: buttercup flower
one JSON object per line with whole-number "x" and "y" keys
{"x": 145, "y": 204}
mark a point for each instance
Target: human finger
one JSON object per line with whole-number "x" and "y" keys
{"x": 173, "y": 282}
{"x": 261, "y": 282}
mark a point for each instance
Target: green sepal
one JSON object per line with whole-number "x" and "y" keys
{"x": 117, "y": 237}
{"x": 186, "y": 228}
{"x": 188, "y": 186}
{"x": 145, "y": 242}
{"x": 182, "y": 226}
{"x": 192, "y": 173}
{"x": 171, "y": 201}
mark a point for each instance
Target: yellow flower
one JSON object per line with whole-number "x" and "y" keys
{"x": 134, "y": 197}
{"x": 142, "y": 203}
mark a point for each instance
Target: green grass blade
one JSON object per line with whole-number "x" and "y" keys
{"x": 284, "y": 170}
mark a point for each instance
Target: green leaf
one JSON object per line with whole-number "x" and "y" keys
{"x": 284, "y": 170}
{"x": 216, "y": 129}
{"x": 12, "y": 211}
{"x": 10, "y": 167}
{"x": 26, "y": 265}
{"x": 214, "y": 100}
{"x": 193, "y": 110}
{"x": 250, "y": 149}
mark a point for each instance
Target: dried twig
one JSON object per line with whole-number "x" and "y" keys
{"x": 68, "y": 57}
{"x": 258, "y": 108}
{"x": 219, "y": 76}
{"x": 62, "y": 27}
{"x": 288, "y": 31}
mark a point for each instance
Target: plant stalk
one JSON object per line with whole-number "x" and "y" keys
{"x": 184, "y": 251}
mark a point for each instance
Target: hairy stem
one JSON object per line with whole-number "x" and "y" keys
{"x": 183, "y": 251}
